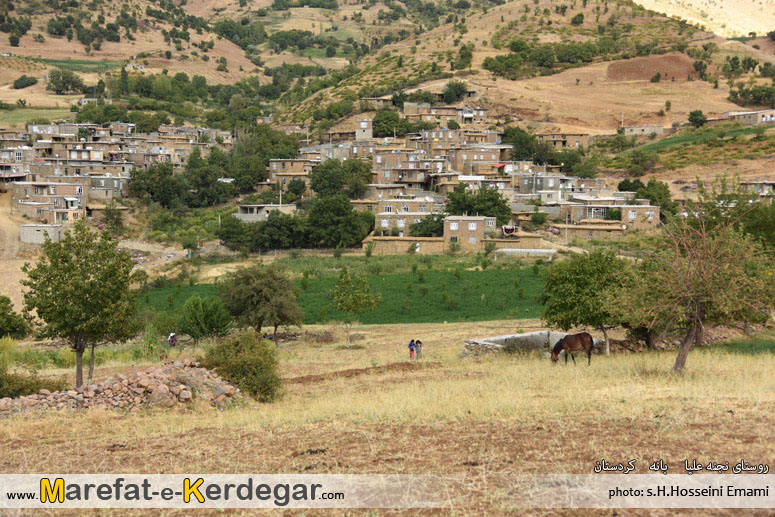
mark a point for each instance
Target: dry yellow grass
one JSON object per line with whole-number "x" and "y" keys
{"x": 479, "y": 419}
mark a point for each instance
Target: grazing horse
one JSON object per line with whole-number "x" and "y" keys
{"x": 573, "y": 343}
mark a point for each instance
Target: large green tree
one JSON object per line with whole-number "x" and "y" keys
{"x": 79, "y": 292}
{"x": 484, "y": 201}
{"x": 62, "y": 81}
{"x": 333, "y": 222}
{"x": 574, "y": 291}
{"x": 335, "y": 177}
{"x": 259, "y": 295}
{"x": 699, "y": 274}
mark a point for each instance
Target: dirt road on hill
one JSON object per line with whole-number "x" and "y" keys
{"x": 10, "y": 248}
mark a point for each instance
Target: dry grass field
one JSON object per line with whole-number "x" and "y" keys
{"x": 724, "y": 17}
{"x": 363, "y": 408}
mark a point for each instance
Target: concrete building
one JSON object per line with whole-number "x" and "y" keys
{"x": 36, "y": 233}
{"x": 260, "y": 213}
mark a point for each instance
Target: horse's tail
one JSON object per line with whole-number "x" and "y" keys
{"x": 591, "y": 343}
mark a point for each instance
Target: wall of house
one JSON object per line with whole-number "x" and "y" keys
{"x": 400, "y": 245}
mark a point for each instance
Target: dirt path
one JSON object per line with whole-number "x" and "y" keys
{"x": 10, "y": 263}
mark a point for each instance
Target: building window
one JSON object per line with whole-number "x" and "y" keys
{"x": 421, "y": 208}
{"x": 417, "y": 221}
{"x": 400, "y": 223}
{"x": 389, "y": 208}
{"x": 384, "y": 223}
{"x": 490, "y": 222}
{"x": 453, "y": 238}
{"x": 650, "y": 215}
{"x": 472, "y": 226}
{"x": 633, "y": 213}
{"x": 453, "y": 226}
{"x": 472, "y": 240}
{"x": 405, "y": 208}
{"x": 53, "y": 190}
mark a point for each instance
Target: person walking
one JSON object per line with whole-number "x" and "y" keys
{"x": 418, "y": 349}
{"x": 172, "y": 340}
{"x": 412, "y": 347}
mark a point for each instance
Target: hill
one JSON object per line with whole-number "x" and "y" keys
{"x": 727, "y": 18}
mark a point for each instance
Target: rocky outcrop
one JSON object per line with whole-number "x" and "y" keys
{"x": 178, "y": 382}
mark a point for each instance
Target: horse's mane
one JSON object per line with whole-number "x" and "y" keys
{"x": 558, "y": 347}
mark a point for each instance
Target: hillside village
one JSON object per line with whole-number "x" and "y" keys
{"x": 60, "y": 173}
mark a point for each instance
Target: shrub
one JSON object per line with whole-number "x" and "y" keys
{"x": 248, "y": 362}
{"x": 23, "y": 82}
{"x": 11, "y": 323}
{"x": 204, "y": 317}
{"x": 15, "y": 385}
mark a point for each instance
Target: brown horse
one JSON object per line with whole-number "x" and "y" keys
{"x": 573, "y": 343}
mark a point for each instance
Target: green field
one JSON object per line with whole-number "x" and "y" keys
{"x": 82, "y": 65}
{"x": 693, "y": 138}
{"x": 425, "y": 297}
{"x": 23, "y": 115}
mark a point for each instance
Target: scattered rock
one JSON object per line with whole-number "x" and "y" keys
{"x": 164, "y": 386}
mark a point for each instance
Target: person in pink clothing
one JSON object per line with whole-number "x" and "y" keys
{"x": 411, "y": 350}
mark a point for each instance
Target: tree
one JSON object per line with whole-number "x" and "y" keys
{"x": 658, "y": 194}
{"x": 204, "y": 317}
{"x": 696, "y": 275}
{"x": 258, "y": 296}
{"x": 429, "y": 226}
{"x": 333, "y": 222}
{"x": 79, "y": 292}
{"x": 297, "y": 187}
{"x": 13, "y": 39}
{"x": 454, "y": 91}
{"x": 642, "y": 161}
{"x": 11, "y": 323}
{"x": 452, "y": 124}
{"x": 113, "y": 219}
{"x": 578, "y": 19}
{"x": 574, "y": 288}
{"x": 613, "y": 214}
{"x": 63, "y": 81}
{"x": 335, "y": 177}
{"x": 486, "y": 202}
{"x": 353, "y": 296}
{"x": 159, "y": 184}
{"x": 697, "y": 118}
{"x": 123, "y": 88}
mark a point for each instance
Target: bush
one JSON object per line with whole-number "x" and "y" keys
{"x": 15, "y": 385}
{"x": 204, "y": 317}
{"x": 11, "y": 323}
{"x": 24, "y": 81}
{"x": 248, "y": 362}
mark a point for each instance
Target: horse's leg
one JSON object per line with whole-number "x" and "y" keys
{"x": 574, "y": 359}
{"x": 566, "y": 356}
{"x": 589, "y": 356}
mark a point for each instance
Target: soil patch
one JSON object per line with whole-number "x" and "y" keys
{"x": 355, "y": 372}
{"x": 644, "y": 68}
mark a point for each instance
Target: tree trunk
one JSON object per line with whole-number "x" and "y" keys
{"x": 91, "y": 364}
{"x": 686, "y": 346}
{"x": 650, "y": 339}
{"x": 274, "y": 335}
{"x": 78, "y": 367}
{"x": 607, "y": 343}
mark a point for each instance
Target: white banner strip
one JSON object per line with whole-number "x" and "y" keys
{"x": 385, "y": 491}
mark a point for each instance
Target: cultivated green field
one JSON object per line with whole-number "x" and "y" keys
{"x": 24, "y": 115}
{"x": 425, "y": 295}
{"x": 82, "y": 65}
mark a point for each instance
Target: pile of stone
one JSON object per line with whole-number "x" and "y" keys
{"x": 475, "y": 348}
{"x": 176, "y": 382}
